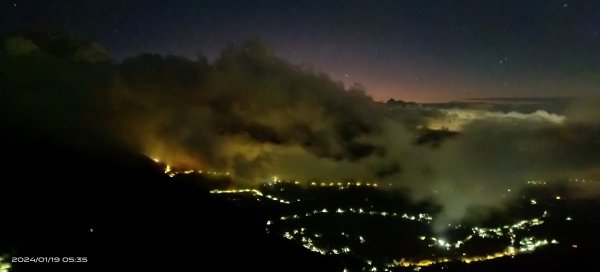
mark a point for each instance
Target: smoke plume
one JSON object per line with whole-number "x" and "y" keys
{"x": 256, "y": 116}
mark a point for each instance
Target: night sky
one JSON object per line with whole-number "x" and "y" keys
{"x": 417, "y": 50}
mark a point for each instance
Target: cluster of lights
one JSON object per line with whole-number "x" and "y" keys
{"x": 525, "y": 245}
{"x": 534, "y": 202}
{"x": 421, "y": 217}
{"x": 504, "y": 231}
{"x": 253, "y": 192}
{"x": 421, "y": 263}
{"x": 536, "y": 182}
{"x": 333, "y": 184}
{"x": 277, "y": 181}
{"x": 344, "y": 185}
{"x": 581, "y": 180}
{"x": 508, "y": 252}
{"x": 528, "y": 245}
{"x": 172, "y": 172}
{"x": 577, "y": 180}
{"x": 308, "y": 239}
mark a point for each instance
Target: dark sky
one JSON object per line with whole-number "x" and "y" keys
{"x": 420, "y": 50}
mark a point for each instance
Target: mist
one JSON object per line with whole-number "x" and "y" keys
{"x": 256, "y": 116}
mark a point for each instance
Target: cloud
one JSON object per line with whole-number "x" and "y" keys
{"x": 455, "y": 118}
{"x": 491, "y": 156}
